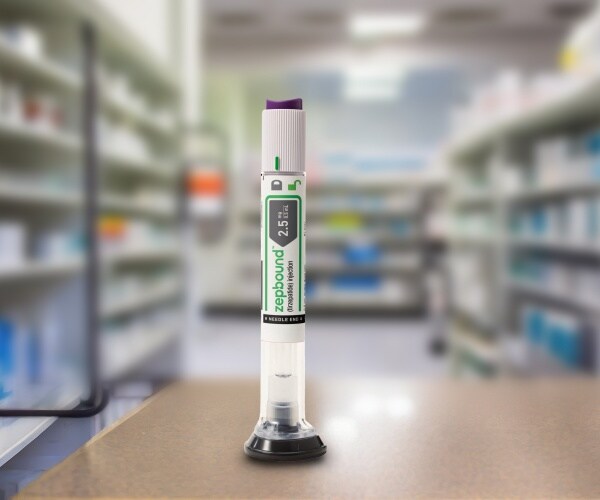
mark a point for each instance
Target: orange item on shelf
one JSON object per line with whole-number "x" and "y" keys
{"x": 206, "y": 183}
{"x": 112, "y": 227}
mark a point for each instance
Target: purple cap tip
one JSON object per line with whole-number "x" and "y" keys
{"x": 288, "y": 104}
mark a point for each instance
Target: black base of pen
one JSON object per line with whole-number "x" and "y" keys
{"x": 284, "y": 450}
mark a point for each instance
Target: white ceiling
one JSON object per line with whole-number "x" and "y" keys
{"x": 290, "y": 21}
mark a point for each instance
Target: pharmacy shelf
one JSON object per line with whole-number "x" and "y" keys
{"x": 139, "y": 167}
{"x": 122, "y": 204}
{"x": 331, "y": 306}
{"x": 579, "y": 103}
{"x": 117, "y": 41}
{"x": 45, "y": 197}
{"x": 142, "y": 300}
{"x": 128, "y": 350}
{"x": 364, "y": 307}
{"x": 36, "y": 270}
{"x": 375, "y": 184}
{"x": 141, "y": 254}
{"x": 15, "y": 193}
{"x": 546, "y": 292}
{"x": 20, "y": 432}
{"x": 383, "y": 238}
{"x": 50, "y": 74}
{"x": 143, "y": 119}
{"x": 66, "y": 142}
{"x": 37, "y": 70}
{"x": 391, "y": 263}
{"x": 559, "y": 247}
{"x": 474, "y": 333}
{"x": 252, "y": 212}
{"x": 49, "y": 148}
{"x": 375, "y": 268}
{"x": 534, "y": 195}
{"x": 250, "y": 303}
{"x": 574, "y": 108}
{"x": 21, "y": 194}
{"x": 363, "y": 212}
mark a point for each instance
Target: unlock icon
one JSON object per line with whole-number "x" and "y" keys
{"x": 276, "y": 185}
{"x": 294, "y": 185}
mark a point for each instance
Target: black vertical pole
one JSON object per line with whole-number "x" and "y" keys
{"x": 91, "y": 209}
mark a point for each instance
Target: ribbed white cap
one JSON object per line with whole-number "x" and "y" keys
{"x": 283, "y": 137}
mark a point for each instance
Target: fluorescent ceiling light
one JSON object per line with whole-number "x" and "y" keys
{"x": 376, "y": 25}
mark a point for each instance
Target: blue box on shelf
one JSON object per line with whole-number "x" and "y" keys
{"x": 534, "y": 325}
{"x": 356, "y": 283}
{"x": 362, "y": 254}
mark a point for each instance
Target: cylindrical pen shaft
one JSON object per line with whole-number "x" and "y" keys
{"x": 283, "y": 240}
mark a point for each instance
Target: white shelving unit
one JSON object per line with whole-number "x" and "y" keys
{"x": 20, "y": 194}
{"x": 546, "y": 193}
{"x": 49, "y": 269}
{"x": 136, "y": 254}
{"x": 39, "y": 70}
{"x": 17, "y": 132}
{"x": 491, "y": 151}
{"x": 138, "y": 301}
{"x": 571, "y": 299}
{"x": 46, "y": 151}
{"x": 124, "y": 205}
{"x": 120, "y": 163}
{"x": 573, "y": 105}
{"x": 153, "y": 77}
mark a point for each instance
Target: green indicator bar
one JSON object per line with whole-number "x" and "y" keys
{"x": 277, "y": 163}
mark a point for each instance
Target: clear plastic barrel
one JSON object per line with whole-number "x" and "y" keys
{"x": 282, "y": 392}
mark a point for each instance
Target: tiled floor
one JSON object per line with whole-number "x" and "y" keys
{"x": 231, "y": 347}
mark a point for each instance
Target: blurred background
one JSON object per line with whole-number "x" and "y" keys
{"x": 453, "y": 162}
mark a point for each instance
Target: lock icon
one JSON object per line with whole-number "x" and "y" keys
{"x": 294, "y": 185}
{"x": 276, "y": 185}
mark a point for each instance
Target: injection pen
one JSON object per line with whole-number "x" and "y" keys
{"x": 282, "y": 432}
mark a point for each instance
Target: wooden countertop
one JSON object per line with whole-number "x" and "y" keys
{"x": 386, "y": 438}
